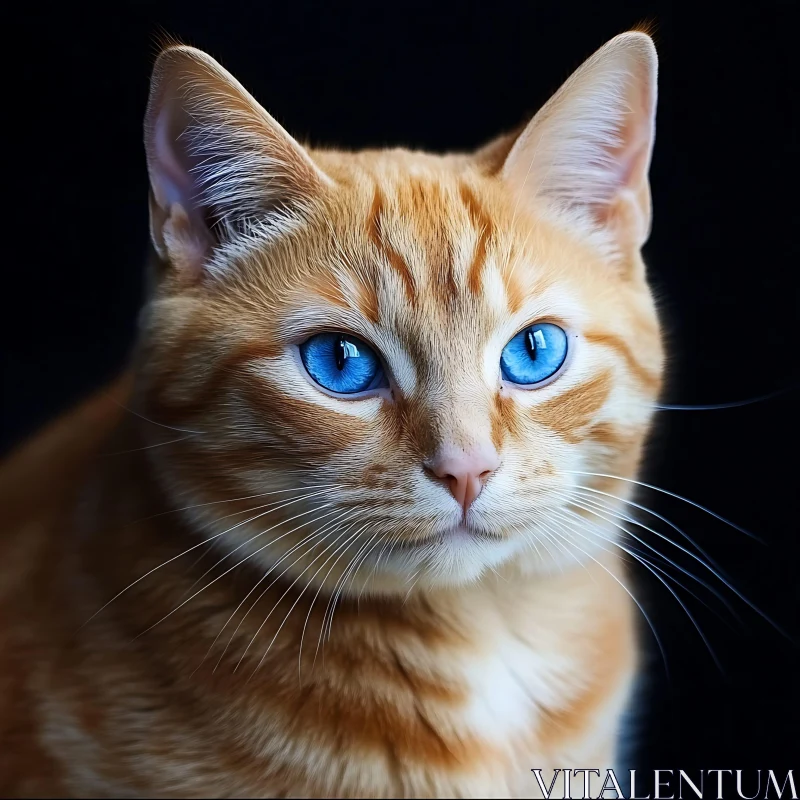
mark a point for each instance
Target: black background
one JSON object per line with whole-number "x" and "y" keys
{"x": 723, "y": 257}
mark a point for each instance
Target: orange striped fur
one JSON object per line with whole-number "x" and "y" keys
{"x": 217, "y": 579}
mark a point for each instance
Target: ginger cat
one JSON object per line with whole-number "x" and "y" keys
{"x": 326, "y": 537}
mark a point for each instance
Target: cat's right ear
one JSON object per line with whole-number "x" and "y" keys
{"x": 219, "y": 164}
{"x": 588, "y": 150}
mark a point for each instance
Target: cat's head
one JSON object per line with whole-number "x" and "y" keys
{"x": 395, "y": 367}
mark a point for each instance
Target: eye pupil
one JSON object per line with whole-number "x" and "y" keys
{"x": 340, "y": 353}
{"x": 342, "y": 350}
{"x": 530, "y": 344}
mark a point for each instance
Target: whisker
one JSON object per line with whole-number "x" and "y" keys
{"x": 175, "y": 558}
{"x": 274, "y": 506}
{"x": 689, "y": 614}
{"x": 266, "y": 530}
{"x": 297, "y": 600}
{"x": 209, "y": 549}
{"x": 336, "y": 592}
{"x": 305, "y": 540}
{"x": 612, "y": 512}
{"x": 230, "y": 569}
{"x": 655, "y": 514}
{"x": 153, "y": 422}
{"x": 545, "y": 528}
{"x": 530, "y": 538}
{"x": 414, "y": 581}
{"x": 327, "y": 549}
{"x": 388, "y": 547}
{"x": 325, "y": 615}
{"x": 671, "y": 494}
{"x": 719, "y": 406}
{"x": 639, "y": 555}
{"x": 718, "y": 575}
{"x": 236, "y": 499}
{"x": 139, "y": 449}
{"x": 638, "y": 604}
{"x": 388, "y": 543}
{"x": 554, "y": 534}
{"x": 357, "y": 560}
{"x": 308, "y": 617}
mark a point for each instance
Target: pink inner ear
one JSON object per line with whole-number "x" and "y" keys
{"x": 183, "y": 228}
{"x": 187, "y": 244}
{"x": 589, "y": 147}
{"x": 628, "y": 167}
{"x": 185, "y": 232}
{"x": 172, "y": 180}
{"x": 636, "y": 139}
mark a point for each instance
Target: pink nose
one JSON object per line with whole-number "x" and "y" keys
{"x": 464, "y": 473}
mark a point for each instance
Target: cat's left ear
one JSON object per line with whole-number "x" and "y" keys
{"x": 588, "y": 149}
{"x": 218, "y": 163}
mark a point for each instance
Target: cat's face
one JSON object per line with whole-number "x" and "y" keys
{"x": 395, "y": 366}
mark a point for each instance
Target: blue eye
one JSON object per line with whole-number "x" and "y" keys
{"x": 341, "y": 363}
{"x": 534, "y": 354}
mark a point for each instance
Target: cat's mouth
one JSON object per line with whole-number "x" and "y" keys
{"x": 455, "y": 535}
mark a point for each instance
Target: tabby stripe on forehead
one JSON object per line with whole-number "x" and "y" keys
{"x": 375, "y": 231}
{"x": 483, "y": 225}
{"x": 647, "y": 379}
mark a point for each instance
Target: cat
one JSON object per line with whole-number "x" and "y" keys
{"x": 331, "y": 533}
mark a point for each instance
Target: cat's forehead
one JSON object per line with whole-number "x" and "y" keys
{"x": 429, "y": 242}
{"x": 446, "y": 253}
{"x": 434, "y": 268}
{"x": 425, "y": 257}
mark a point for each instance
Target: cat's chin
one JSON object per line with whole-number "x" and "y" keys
{"x": 455, "y": 536}
{"x": 466, "y": 534}
{"x": 453, "y": 557}
{"x": 462, "y": 555}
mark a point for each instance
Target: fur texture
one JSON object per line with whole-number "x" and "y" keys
{"x": 248, "y": 586}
